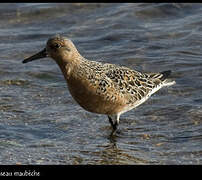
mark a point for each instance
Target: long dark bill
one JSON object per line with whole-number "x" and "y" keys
{"x": 39, "y": 55}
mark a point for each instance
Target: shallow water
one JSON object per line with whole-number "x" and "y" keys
{"x": 40, "y": 123}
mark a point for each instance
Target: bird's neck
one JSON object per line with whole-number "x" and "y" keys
{"x": 68, "y": 68}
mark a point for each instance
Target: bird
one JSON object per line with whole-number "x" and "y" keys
{"x": 101, "y": 87}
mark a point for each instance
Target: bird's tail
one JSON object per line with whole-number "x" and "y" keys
{"x": 167, "y": 82}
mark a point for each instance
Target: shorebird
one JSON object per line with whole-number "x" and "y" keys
{"x": 99, "y": 87}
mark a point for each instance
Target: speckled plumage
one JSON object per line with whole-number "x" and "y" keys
{"x": 102, "y": 87}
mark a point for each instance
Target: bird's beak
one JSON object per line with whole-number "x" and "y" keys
{"x": 39, "y": 55}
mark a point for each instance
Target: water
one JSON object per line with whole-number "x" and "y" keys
{"x": 40, "y": 123}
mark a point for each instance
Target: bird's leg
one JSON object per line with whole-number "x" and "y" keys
{"x": 111, "y": 121}
{"x": 114, "y": 121}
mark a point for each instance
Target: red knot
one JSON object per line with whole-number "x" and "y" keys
{"x": 98, "y": 87}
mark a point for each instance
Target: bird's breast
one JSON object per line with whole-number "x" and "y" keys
{"x": 86, "y": 96}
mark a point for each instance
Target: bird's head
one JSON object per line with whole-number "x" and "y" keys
{"x": 59, "y": 48}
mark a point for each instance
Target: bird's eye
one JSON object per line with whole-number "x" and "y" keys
{"x": 55, "y": 46}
